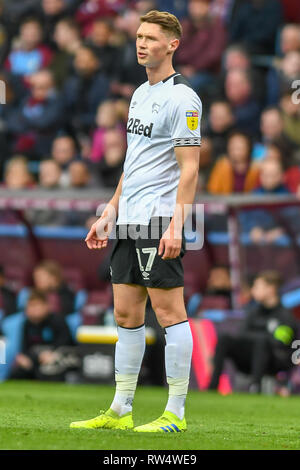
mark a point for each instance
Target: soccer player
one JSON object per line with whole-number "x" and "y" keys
{"x": 159, "y": 179}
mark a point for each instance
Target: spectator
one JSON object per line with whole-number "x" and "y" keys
{"x": 239, "y": 93}
{"x": 8, "y": 303}
{"x": 100, "y": 38}
{"x": 89, "y": 10}
{"x": 281, "y": 151}
{"x": 67, "y": 39}
{"x": 250, "y": 28}
{"x": 219, "y": 282}
{"x": 29, "y": 55}
{"x": 14, "y": 11}
{"x": 220, "y": 125}
{"x": 271, "y": 129}
{"x": 177, "y": 8}
{"x": 37, "y": 119}
{"x": 49, "y": 178}
{"x": 290, "y": 39}
{"x": 91, "y": 84}
{"x": 14, "y": 91}
{"x": 4, "y": 34}
{"x": 111, "y": 166}
{"x": 271, "y": 178}
{"x": 205, "y": 164}
{"x": 80, "y": 177}
{"x": 64, "y": 152}
{"x": 234, "y": 172}
{"x": 204, "y": 33}
{"x": 52, "y": 11}
{"x": 291, "y": 117}
{"x": 49, "y": 174}
{"x": 17, "y": 175}
{"x": 217, "y": 293}
{"x": 107, "y": 118}
{"x": 262, "y": 345}
{"x": 281, "y": 78}
{"x": 235, "y": 57}
{"x": 48, "y": 278}
{"x": 128, "y": 74}
{"x": 259, "y": 223}
{"x": 43, "y": 333}
{"x": 291, "y": 11}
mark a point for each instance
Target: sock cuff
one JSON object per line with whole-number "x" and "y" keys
{"x": 135, "y": 328}
{"x": 175, "y": 324}
{"x": 131, "y": 335}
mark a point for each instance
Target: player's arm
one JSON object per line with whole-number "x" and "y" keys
{"x": 188, "y": 159}
{"x": 93, "y": 239}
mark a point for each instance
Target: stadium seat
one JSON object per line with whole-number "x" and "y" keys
{"x": 96, "y": 305}
{"x": 17, "y": 277}
{"x": 74, "y": 278}
{"x": 74, "y": 320}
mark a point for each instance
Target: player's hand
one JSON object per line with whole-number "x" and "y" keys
{"x": 169, "y": 246}
{"x": 97, "y": 238}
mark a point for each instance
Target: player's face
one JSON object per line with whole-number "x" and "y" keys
{"x": 153, "y": 45}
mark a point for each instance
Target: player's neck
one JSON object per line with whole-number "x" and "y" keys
{"x": 156, "y": 75}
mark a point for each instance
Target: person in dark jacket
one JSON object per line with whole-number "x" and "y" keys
{"x": 7, "y": 296}
{"x": 263, "y": 344}
{"x": 43, "y": 333}
{"x": 35, "y": 122}
{"x": 90, "y": 83}
{"x": 255, "y": 24}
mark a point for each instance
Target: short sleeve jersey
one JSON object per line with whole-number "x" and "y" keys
{"x": 161, "y": 117}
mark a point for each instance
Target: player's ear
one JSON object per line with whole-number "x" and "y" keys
{"x": 173, "y": 45}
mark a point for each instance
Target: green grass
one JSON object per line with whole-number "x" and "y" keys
{"x": 37, "y": 415}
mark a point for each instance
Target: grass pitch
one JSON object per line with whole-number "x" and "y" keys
{"x": 37, "y": 415}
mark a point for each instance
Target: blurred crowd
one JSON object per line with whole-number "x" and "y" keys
{"x": 70, "y": 69}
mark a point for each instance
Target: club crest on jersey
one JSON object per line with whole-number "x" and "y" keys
{"x": 155, "y": 108}
{"x": 136, "y": 127}
{"x": 192, "y": 118}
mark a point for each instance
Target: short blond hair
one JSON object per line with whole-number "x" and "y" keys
{"x": 166, "y": 20}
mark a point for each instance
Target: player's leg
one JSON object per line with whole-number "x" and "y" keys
{"x": 129, "y": 309}
{"x": 169, "y": 307}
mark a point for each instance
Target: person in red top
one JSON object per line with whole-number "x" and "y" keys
{"x": 90, "y": 10}
{"x": 203, "y": 42}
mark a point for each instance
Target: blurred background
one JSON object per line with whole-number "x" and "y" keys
{"x": 70, "y": 69}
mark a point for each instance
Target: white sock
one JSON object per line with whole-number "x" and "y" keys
{"x": 129, "y": 354}
{"x": 178, "y": 355}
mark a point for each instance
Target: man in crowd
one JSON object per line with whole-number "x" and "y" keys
{"x": 262, "y": 345}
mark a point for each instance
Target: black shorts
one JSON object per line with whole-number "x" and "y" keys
{"x": 135, "y": 259}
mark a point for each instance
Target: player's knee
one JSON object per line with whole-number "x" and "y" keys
{"x": 121, "y": 317}
{"x": 128, "y": 318}
{"x": 167, "y": 317}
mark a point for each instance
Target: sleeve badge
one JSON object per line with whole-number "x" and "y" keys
{"x": 192, "y": 118}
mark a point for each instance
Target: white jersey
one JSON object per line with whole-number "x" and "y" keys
{"x": 161, "y": 117}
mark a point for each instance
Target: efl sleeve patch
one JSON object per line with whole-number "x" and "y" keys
{"x": 192, "y": 119}
{"x": 185, "y": 120}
